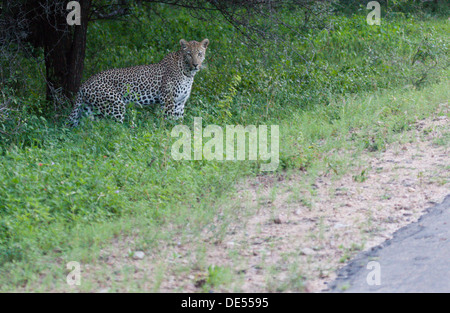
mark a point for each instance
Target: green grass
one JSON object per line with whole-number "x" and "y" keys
{"x": 64, "y": 194}
{"x": 158, "y": 201}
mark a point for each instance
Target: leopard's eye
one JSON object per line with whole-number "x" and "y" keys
{"x": 200, "y": 54}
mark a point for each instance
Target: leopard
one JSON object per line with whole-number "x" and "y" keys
{"x": 167, "y": 83}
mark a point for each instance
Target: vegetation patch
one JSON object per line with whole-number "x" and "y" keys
{"x": 343, "y": 84}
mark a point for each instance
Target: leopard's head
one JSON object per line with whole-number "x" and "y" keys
{"x": 194, "y": 53}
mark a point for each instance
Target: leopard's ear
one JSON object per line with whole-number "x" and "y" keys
{"x": 205, "y": 43}
{"x": 183, "y": 44}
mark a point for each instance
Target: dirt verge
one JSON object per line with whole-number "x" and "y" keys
{"x": 288, "y": 235}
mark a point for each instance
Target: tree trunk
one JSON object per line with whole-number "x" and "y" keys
{"x": 56, "y": 39}
{"x": 64, "y": 51}
{"x": 77, "y": 50}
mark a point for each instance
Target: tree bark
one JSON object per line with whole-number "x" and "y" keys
{"x": 64, "y": 51}
{"x": 77, "y": 49}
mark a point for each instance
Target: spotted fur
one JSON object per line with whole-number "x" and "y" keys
{"x": 168, "y": 83}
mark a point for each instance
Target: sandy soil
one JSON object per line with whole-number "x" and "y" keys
{"x": 288, "y": 236}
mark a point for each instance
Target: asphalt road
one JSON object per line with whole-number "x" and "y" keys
{"x": 416, "y": 259}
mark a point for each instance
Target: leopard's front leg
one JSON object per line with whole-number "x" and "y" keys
{"x": 168, "y": 99}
